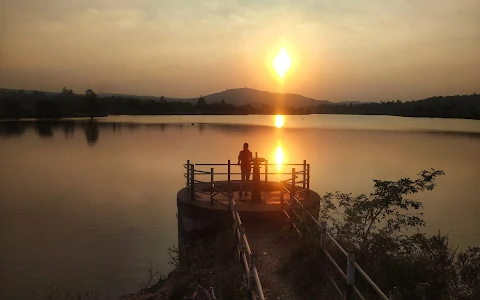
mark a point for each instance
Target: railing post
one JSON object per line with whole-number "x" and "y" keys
{"x": 304, "y": 173}
{"x": 241, "y": 229}
{"x": 323, "y": 235}
{"x": 188, "y": 175}
{"x": 281, "y": 196}
{"x": 192, "y": 182}
{"x": 266, "y": 170}
{"x": 229, "y": 195}
{"x": 292, "y": 192}
{"x": 308, "y": 181}
{"x": 211, "y": 186}
{"x": 250, "y": 273}
{"x": 228, "y": 176}
{"x": 350, "y": 275}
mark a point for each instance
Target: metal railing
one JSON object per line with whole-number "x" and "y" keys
{"x": 293, "y": 188}
{"x": 196, "y": 171}
{"x": 196, "y": 176}
{"x": 245, "y": 253}
{"x": 289, "y": 187}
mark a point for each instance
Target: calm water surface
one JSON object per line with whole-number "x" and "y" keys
{"x": 91, "y": 206}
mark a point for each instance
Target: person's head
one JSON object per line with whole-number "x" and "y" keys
{"x": 245, "y": 145}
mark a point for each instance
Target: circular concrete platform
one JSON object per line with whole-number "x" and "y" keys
{"x": 201, "y": 207}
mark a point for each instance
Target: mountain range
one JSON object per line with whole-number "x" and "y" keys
{"x": 239, "y": 97}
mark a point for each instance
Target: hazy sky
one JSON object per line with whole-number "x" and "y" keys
{"x": 342, "y": 50}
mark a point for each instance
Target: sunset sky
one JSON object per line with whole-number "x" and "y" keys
{"x": 341, "y": 50}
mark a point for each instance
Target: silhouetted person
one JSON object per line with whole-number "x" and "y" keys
{"x": 245, "y": 162}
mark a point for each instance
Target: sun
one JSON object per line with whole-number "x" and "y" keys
{"x": 282, "y": 62}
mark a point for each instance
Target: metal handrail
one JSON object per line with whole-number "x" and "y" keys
{"x": 338, "y": 246}
{"x": 239, "y": 173}
{"x": 233, "y": 164}
{"x": 246, "y": 253}
{"x": 370, "y": 281}
{"x": 193, "y": 175}
{"x": 202, "y": 172}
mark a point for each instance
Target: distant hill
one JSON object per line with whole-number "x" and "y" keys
{"x": 256, "y": 98}
{"x": 38, "y": 104}
{"x": 239, "y": 97}
{"x": 104, "y": 95}
{"x": 353, "y": 102}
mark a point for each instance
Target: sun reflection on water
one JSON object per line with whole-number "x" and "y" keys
{"x": 279, "y": 157}
{"x": 279, "y": 121}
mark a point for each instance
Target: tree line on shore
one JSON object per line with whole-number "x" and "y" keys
{"x": 15, "y": 104}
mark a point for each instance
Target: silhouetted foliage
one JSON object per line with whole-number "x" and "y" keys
{"x": 92, "y": 104}
{"x": 201, "y": 102}
{"x": 383, "y": 212}
{"x": 66, "y": 92}
{"x": 207, "y": 261}
{"x": 459, "y": 106}
{"x": 468, "y": 266}
{"x": 47, "y": 109}
{"x": 382, "y": 230}
{"x": 13, "y": 108}
{"x": 25, "y": 104}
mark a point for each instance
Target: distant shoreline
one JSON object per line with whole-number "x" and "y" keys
{"x": 86, "y": 117}
{"x": 66, "y": 104}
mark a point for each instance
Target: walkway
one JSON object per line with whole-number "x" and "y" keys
{"x": 271, "y": 252}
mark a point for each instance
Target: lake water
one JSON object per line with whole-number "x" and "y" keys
{"x": 91, "y": 206}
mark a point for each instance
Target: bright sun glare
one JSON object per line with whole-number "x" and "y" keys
{"x": 282, "y": 62}
{"x": 279, "y": 121}
{"x": 279, "y": 157}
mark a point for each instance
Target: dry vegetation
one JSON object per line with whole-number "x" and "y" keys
{"x": 208, "y": 268}
{"x": 378, "y": 229}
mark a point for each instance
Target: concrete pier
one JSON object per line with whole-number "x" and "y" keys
{"x": 199, "y": 213}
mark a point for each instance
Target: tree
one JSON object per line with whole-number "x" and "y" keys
{"x": 201, "y": 102}
{"x": 378, "y": 228}
{"x": 13, "y": 108}
{"x": 468, "y": 264}
{"x": 91, "y": 102}
{"x": 90, "y": 94}
{"x": 66, "y": 92}
{"x": 46, "y": 108}
{"x": 385, "y": 212}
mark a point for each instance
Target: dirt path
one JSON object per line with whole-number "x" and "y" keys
{"x": 270, "y": 251}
